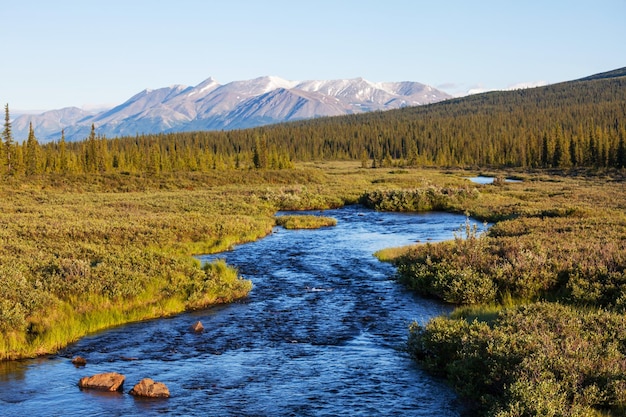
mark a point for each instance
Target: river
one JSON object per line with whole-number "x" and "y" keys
{"x": 321, "y": 334}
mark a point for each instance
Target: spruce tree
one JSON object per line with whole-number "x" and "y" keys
{"x": 545, "y": 152}
{"x": 63, "y": 163}
{"x": 32, "y": 153}
{"x": 260, "y": 158}
{"x": 7, "y": 137}
{"x": 620, "y": 160}
{"x": 91, "y": 150}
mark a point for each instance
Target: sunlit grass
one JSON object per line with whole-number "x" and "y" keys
{"x": 83, "y": 253}
{"x": 305, "y": 221}
{"x": 391, "y": 254}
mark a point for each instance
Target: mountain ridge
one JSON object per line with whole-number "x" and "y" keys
{"x": 235, "y": 105}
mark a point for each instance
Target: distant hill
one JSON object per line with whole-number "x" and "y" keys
{"x": 621, "y": 72}
{"x": 568, "y": 124}
{"x": 579, "y": 123}
{"x": 236, "y": 105}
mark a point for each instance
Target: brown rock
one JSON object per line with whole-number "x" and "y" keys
{"x": 148, "y": 388}
{"x": 197, "y": 327}
{"x": 79, "y": 361}
{"x": 110, "y": 381}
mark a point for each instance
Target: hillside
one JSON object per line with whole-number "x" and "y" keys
{"x": 572, "y": 123}
{"x": 235, "y": 105}
{"x": 579, "y": 123}
{"x": 621, "y": 72}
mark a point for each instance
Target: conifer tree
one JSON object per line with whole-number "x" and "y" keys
{"x": 260, "y": 158}
{"x": 545, "y": 151}
{"x": 32, "y": 153}
{"x": 620, "y": 159}
{"x": 90, "y": 151}
{"x": 63, "y": 157}
{"x": 7, "y": 137}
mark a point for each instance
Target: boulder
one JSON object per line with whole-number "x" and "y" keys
{"x": 79, "y": 361}
{"x": 110, "y": 381}
{"x": 148, "y": 388}
{"x": 197, "y": 327}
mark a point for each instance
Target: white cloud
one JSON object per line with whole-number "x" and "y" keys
{"x": 96, "y": 108}
{"x": 529, "y": 84}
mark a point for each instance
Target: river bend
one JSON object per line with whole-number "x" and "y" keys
{"x": 321, "y": 334}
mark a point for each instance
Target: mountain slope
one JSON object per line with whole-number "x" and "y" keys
{"x": 238, "y": 104}
{"x": 620, "y": 72}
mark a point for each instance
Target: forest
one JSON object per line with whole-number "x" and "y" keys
{"x": 567, "y": 125}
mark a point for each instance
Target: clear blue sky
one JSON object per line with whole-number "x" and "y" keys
{"x": 90, "y": 53}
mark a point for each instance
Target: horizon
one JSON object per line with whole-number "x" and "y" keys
{"x": 95, "y": 109}
{"x": 97, "y": 54}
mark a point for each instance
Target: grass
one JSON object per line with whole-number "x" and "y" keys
{"x": 305, "y": 221}
{"x": 87, "y": 252}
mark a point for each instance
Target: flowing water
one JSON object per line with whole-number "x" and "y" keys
{"x": 321, "y": 334}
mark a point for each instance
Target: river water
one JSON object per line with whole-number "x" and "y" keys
{"x": 321, "y": 334}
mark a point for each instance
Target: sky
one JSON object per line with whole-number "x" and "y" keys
{"x": 95, "y": 54}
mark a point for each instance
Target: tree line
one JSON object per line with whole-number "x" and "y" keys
{"x": 153, "y": 154}
{"x": 572, "y": 124}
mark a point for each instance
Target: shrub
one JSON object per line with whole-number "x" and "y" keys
{"x": 430, "y": 198}
{"x": 538, "y": 359}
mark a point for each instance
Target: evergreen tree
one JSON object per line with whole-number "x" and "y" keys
{"x": 7, "y": 137}
{"x": 260, "y": 157}
{"x": 364, "y": 159}
{"x": 91, "y": 149}
{"x": 573, "y": 151}
{"x": 545, "y": 152}
{"x": 63, "y": 157}
{"x": 557, "y": 155}
{"x": 32, "y": 153}
{"x": 620, "y": 160}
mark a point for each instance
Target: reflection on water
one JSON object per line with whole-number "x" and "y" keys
{"x": 321, "y": 333}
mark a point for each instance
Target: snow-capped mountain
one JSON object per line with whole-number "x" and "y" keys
{"x": 238, "y": 104}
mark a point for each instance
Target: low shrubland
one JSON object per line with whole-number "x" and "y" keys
{"x": 540, "y": 359}
{"x": 542, "y": 331}
{"x": 86, "y": 252}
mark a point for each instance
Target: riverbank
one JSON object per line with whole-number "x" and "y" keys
{"x": 83, "y": 253}
{"x": 541, "y": 328}
{"x": 324, "y": 318}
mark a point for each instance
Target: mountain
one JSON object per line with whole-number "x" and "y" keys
{"x": 236, "y": 105}
{"x": 49, "y": 122}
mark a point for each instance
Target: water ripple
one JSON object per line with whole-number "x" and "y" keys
{"x": 321, "y": 334}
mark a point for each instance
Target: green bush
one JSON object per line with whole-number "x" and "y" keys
{"x": 538, "y": 359}
{"x": 431, "y": 198}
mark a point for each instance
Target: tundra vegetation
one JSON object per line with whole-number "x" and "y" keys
{"x": 101, "y": 232}
{"x": 540, "y": 328}
{"x": 305, "y": 221}
{"x": 86, "y": 252}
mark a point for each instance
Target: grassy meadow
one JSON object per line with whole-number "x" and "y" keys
{"x": 83, "y": 253}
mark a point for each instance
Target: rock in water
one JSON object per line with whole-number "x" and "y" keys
{"x": 148, "y": 388}
{"x": 110, "y": 381}
{"x": 197, "y": 327}
{"x": 79, "y": 361}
